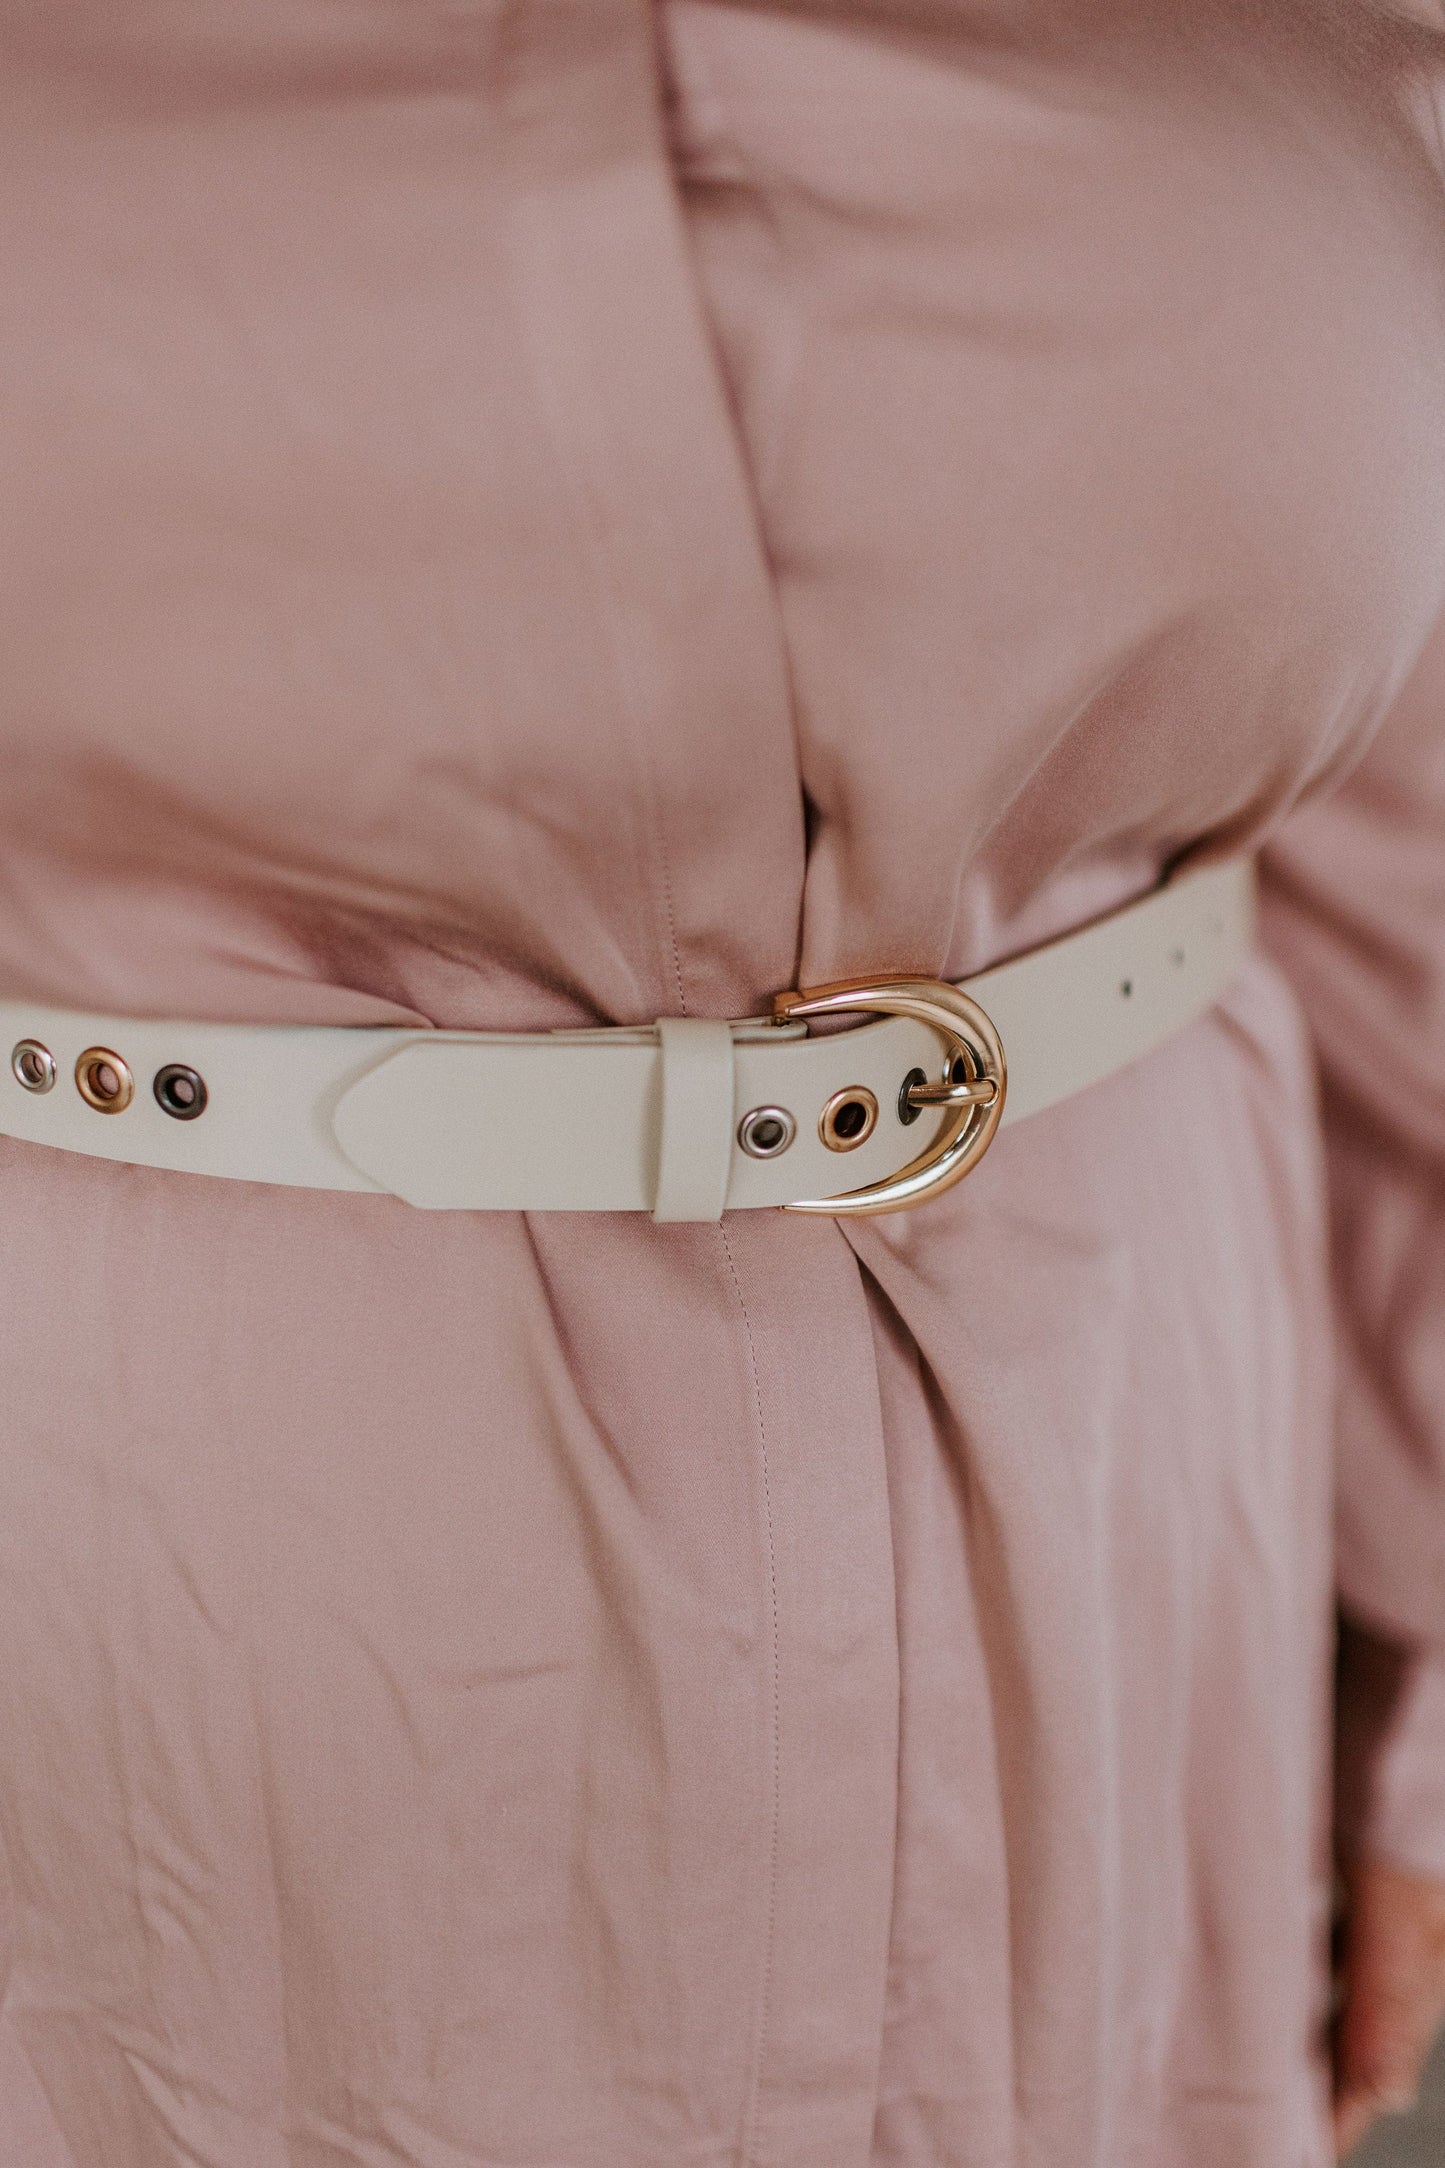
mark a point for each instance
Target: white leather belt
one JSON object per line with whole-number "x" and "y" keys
{"x": 684, "y": 1118}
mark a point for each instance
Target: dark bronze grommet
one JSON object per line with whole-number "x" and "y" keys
{"x": 180, "y": 1092}
{"x": 908, "y": 1109}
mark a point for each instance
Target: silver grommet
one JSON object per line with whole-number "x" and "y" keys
{"x": 104, "y": 1081}
{"x": 180, "y": 1092}
{"x": 764, "y": 1132}
{"x": 849, "y": 1119}
{"x": 32, "y": 1065}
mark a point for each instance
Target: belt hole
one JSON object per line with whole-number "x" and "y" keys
{"x": 33, "y": 1065}
{"x": 104, "y": 1081}
{"x": 848, "y": 1119}
{"x": 180, "y": 1092}
{"x": 765, "y": 1132}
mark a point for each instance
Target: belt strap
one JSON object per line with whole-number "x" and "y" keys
{"x": 682, "y": 1118}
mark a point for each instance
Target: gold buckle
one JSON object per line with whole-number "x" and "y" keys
{"x": 972, "y": 1045}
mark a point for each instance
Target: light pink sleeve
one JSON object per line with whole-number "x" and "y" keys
{"x": 1355, "y": 912}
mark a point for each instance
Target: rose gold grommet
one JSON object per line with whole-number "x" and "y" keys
{"x": 103, "y": 1080}
{"x": 848, "y": 1119}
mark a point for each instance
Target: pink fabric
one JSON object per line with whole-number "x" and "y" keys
{"x": 525, "y": 513}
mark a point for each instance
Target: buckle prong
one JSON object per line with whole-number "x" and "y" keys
{"x": 980, "y": 1094}
{"x": 973, "y": 1101}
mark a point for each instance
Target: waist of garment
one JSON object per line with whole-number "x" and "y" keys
{"x": 684, "y": 1118}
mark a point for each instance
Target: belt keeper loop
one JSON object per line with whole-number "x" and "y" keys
{"x": 696, "y": 1132}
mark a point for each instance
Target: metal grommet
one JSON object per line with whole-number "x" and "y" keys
{"x": 104, "y": 1081}
{"x": 180, "y": 1092}
{"x": 32, "y": 1065}
{"x": 764, "y": 1132}
{"x": 908, "y": 1108}
{"x": 849, "y": 1119}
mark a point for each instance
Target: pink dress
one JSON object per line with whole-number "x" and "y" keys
{"x": 566, "y": 510}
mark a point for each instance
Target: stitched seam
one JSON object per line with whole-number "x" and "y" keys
{"x": 665, "y": 869}
{"x": 586, "y": 489}
{"x": 748, "y": 2155}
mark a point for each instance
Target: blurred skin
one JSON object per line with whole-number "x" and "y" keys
{"x": 1394, "y": 1994}
{"x": 1391, "y": 1926}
